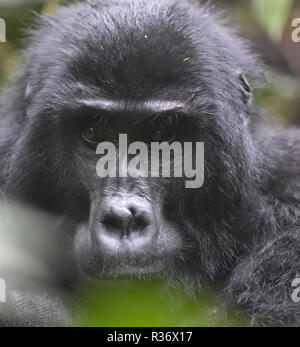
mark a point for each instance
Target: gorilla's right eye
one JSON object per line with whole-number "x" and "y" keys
{"x": 92, "y": 134}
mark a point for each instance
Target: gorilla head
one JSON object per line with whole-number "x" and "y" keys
{"x": 162, "y": 71}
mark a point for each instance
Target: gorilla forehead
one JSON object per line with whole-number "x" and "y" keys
{"x": 130, "y": 47}
{"x": 133, "y": 49}
{"x": 129, "y": 52}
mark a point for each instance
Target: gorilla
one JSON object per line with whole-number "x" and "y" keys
{"x": 158, "y": 71}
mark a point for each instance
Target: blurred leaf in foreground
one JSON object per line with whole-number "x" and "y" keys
{"x": 132, "y": 303}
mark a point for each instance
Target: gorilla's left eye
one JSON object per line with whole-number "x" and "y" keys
{"x": 92, "y": 134}
{"x": 163, "y": 133}
{"x": 158, "y": 135}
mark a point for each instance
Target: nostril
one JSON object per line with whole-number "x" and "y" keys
{"x": 140, "y": 216}
{"x": 133, "y": 210}
{"x": 117, "y": 218}
{"x": 120, "y": 212}
{"x": 111, "y": 222}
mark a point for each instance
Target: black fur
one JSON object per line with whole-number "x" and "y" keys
{"x": 242, "y": 228}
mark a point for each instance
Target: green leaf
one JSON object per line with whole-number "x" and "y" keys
{"x": 272, "y": 15}
{"x": 132, "y": 303}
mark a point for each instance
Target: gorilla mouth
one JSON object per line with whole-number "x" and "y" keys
{"x": 106, "y": 253}
{"x": 126, "y": 258}
{"x": 138, "y": 270}
{"x": 132, "y": 265}
{"x": 131, "y": 245}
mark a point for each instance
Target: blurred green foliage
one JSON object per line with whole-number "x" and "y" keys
{"x": 132, "y": 303}
{"x": 272, "y": 15}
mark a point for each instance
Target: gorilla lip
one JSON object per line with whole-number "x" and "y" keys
{"x": 162, "y": 155}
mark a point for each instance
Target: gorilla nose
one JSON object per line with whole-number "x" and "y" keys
{"x": 128, "y": 216}
{"x": 127, "y": 225}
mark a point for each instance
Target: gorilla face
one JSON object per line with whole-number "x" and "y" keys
{"x": 133, "y": 226}
{"x": 117, "y": 71}
{"x": 150, "y": 226}
{"x": 128, "y": 230}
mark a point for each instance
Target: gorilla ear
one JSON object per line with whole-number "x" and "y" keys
{"x": 245, "y": 89}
